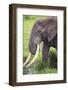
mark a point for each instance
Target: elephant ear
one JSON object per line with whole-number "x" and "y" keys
{"x": 49, "y": 25}
{"x": 51, "y": 29}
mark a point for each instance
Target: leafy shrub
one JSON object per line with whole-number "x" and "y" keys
{"x": 53, "y": 57}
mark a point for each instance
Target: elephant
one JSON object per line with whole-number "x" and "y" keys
{"x": 43, "y": 31}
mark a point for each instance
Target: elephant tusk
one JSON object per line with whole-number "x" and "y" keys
{"x": 27, "y": 59}
{"x": 37, "y": 51}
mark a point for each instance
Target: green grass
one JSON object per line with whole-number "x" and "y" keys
{"x": 37, "y": 68}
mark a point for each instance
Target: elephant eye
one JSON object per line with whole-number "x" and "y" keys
{"x": 40, "y": 23}
{"x": 45, "y": 36}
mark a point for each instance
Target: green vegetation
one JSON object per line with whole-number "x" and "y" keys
{"x": 38, "y": 67}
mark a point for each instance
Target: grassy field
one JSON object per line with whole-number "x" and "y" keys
{"x": 37, "y": 67}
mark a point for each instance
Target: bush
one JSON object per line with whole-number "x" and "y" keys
{"x": 29, "y": 17}
{"x": 53, "y": 57}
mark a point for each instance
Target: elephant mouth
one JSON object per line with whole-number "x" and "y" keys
{"x": 34, "y": 58}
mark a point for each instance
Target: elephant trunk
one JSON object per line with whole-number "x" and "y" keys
{"x": 27, "y": 60}
{"x": 32, "y": 48}
{"x": 36, "y": 54}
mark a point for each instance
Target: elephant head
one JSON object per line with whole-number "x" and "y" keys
{"x": 43, "y": 31}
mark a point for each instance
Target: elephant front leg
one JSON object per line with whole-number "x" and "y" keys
{"x": 45, "y": 51}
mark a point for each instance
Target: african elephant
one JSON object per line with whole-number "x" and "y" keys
{"x": 43, "y": 31}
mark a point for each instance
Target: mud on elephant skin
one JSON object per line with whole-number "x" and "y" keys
{"x": 44, "y": 31}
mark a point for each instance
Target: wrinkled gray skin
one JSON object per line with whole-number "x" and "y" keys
{"x": 44, "y": 31}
